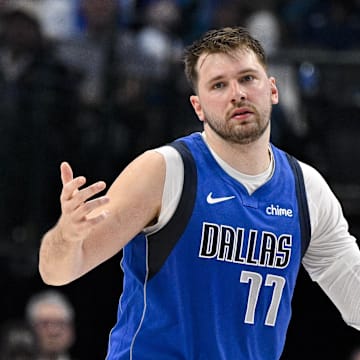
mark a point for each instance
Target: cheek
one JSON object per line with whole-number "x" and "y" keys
{"x": 263, "y": 94}
{"x": 214, "y": 104}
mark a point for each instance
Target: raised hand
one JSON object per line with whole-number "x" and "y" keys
{"x": 79, "y": 210}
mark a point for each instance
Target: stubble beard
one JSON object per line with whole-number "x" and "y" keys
{"x": 242, "y": 134}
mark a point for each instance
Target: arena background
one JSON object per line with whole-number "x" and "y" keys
{"x": 52, "y": 113}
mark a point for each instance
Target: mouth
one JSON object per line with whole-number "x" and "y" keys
{"x": 241, "y": 113}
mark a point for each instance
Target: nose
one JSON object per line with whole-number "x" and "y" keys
{"x": 238, "y": 93}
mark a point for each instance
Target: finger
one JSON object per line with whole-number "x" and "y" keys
{"x": 98, "y": 218}
{"x": 66, "y": 172}
{"x": 85, "y": 214}
{"x": 92, "y": 205}
{"x": 71, "y": 188}
{"x": 92, "y": 220}
{"x": 88, "y": 192}
{"x": 73, "y": 198}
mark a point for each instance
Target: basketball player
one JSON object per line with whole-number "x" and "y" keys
{"x": 213, "y": 227}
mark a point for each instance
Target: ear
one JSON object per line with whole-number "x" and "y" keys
{"x": 194, "y": 99}
{"x": 274, "y": 91}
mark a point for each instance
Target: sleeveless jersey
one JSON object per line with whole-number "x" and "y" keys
{"x": 216, "y": 282}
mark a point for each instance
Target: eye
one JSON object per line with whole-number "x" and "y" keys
{"x": 218, "y": 85}
{"x": 247, "y": 78}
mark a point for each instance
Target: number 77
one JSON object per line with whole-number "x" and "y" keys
{"x": 255, "y": 280}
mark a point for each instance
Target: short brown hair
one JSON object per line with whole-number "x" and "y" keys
{"x": 225, "y": 40}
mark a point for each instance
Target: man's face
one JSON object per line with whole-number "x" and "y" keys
{"x": 54, "y": 330}
{"x": 235, "y": 96}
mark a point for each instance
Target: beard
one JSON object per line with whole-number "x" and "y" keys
{"x": 240, "y": 133}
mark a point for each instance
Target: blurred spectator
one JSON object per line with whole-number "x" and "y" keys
{"x": 99, "y": 47}
{"x": 52, "y": 317}
{"x": 161, "y": 46}
{"x": 123, "y": 83}
{"x": 17, "y": 342}
{"x": 126, "y": 14}
{"x": 57, "y": 17}
{"x": 36, "y": 105}
{"x": 103, "y": 56}
{"x": 265, "y": 25}
{"x": 333, "y": 24}
{"x": 157, "y": 39}
{"x": 230, "y": 13}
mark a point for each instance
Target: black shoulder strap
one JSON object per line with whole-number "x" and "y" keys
{"x": 303, "y": 208}
{"x": 162, "y": 242}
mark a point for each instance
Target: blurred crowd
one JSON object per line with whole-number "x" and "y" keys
{"x": 45, "y": 332}
{"x": 96, "y": 82}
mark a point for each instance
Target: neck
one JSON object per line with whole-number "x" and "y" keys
{"x": 251, "y": 159}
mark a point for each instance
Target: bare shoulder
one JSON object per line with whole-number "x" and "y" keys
{"x": 147, "y": 169}
{"x": 140, "y": 185}
{"x": 150, "y": 160}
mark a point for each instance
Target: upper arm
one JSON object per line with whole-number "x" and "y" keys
{"x": 135, "y": 202}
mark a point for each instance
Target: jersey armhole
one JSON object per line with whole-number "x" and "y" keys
{"x": 161, "y": 243}
{"x": 303, "y": 208}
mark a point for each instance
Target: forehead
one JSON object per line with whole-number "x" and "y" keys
{"x": 215, "y": 64}
{"x": 50, "y": 310}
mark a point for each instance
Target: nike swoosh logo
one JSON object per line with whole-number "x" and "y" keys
{"x": 211, "y": 200}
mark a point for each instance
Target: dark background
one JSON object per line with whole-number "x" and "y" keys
{"x": 45, "y": 117}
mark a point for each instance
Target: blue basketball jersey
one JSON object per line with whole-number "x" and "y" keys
{"x": 216, "y": 282}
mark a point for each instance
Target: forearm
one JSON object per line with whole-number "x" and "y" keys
{"x": 59, "y": 260}
{"x": 341, "y": 282}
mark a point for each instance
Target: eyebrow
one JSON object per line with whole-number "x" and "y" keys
{"x": 241, "y": 72}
